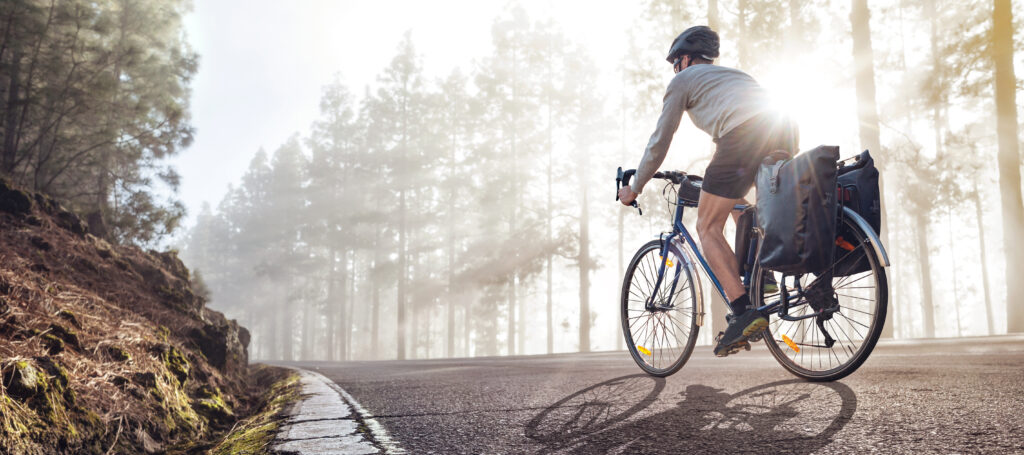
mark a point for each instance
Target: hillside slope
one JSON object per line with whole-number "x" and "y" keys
{"x": 105, "y": 347}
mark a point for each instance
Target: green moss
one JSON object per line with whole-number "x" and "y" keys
{"x": 254, "y": 434}
{"x": 70, "y": 317}
{"x": 163, "y": 333}
{"x": 69, "y": 336}
{"x": 52, "y": 344}
{"x": 117, "y": 353}
{"x": 176, "y": 363}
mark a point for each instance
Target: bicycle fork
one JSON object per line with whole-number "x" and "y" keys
{"x": 686, "y": 261}
{"x": 650, "y": 305}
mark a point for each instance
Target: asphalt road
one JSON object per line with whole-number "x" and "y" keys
{"x": 943, "y": 396}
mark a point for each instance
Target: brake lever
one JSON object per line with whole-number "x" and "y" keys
{"x": 618, "y": 186}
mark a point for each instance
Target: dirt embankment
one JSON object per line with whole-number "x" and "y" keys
{"x": 104, "y": 347}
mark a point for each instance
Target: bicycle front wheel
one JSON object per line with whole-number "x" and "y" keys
{"x": 660, "y": 337}
{"x": 861, "y": 288}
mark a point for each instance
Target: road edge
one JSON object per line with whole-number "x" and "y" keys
{"x": 298, "y": 434}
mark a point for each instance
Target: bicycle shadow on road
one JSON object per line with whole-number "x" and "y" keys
{"x": 791, "y": 416}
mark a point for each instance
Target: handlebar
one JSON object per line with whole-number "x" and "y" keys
{"x": 623, "y": 178}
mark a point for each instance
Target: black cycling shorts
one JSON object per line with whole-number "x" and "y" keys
{"x": 739, "y": 153}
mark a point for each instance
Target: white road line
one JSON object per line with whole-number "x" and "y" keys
{"x": 328, "y": 420}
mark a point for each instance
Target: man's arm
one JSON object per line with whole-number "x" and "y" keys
{"x": 668, "y": 123}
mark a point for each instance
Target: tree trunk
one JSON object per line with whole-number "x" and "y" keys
{"x": 925, "y": 268}
{"x": 341, "y": 304}
{"x": 375, "y": 285}
{"x": 331, "y": 316}
{"x": 743, "y": 52}
{"x": 467, "y": 314}
{"x": 307, "y": 349}
{"x": 402, "y": 276}
{"x": 513, "y": 224}
{"x": 956, "y": 286}
{"x": 976, "y": 197}
{"x": 270, "y": 342}
{"x": 713, "y": 15}
{"x": 414, "y": 311}
{"x": 584, "y": 263}
{"x": 449, "y": 350}
{"x": 511, "y": 341}
{"x": 1009, "y": 162}
{"x": 287, "y": 331}
{"x": 350, "y": 303}
{"x": 867, "y": 112}
{"x": 11, "y": 117}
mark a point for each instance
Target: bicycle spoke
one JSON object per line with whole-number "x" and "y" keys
{"x": 855, "y": 297}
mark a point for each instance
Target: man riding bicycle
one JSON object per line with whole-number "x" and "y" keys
{"x": 730, "y": 106}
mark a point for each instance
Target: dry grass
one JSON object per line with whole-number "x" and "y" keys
{"x": 109, "y": 318}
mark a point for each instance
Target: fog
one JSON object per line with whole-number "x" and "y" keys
{"x": 466, "y": 208}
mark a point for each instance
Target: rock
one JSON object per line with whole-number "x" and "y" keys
{"x": 210, "y": 404}
{"x": 67, "y": 335}
{"x": 46, "y": 203}
{"x": 138, "y": 393}
{"x": 212, "y": 342}
{"x": 55, "y": 370}
{"x": 175, "y": 362}
{"x": 117, "y": 353}
{"x": 40, "y": 243}
{"x": 14, "y": 201}
{"x": 70, "y": 317}
{"x": 71, "y": 222}
{"x": 147, "y": 379}
{"x": 172, "y": 263}
{"x": 52, "y": 344}
{"x": 103, "y": 248}
{"x": 223, "y": 342}
{"x": 22, "y": 380}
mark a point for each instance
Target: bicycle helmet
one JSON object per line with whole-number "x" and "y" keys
{"x": 698, "y": 40}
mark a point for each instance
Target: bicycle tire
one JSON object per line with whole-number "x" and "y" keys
{"x": 643, "y": 267}
{"x": 872, "y": 324}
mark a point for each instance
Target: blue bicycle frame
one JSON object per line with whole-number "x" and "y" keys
{"x": 781, "y": 305}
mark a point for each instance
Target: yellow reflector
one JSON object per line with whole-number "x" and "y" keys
{"x": 668, "y": 263}
{"x": 643, "y": 350}
{"x": 790, "y": 343}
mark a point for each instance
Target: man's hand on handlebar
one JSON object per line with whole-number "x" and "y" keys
{"x": 626, "y": 195}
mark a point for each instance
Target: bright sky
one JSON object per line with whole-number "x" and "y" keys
{"x": 263, "y": 64}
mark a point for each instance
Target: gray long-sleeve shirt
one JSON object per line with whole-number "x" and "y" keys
{"x": 718, "y": 100}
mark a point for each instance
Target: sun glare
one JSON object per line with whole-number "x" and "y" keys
{"x": 816, "y": 103}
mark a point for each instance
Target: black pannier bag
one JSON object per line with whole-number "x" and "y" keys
{"x": 744, "y": 239}
{"x": 858, "y": 190}
{"x": 796, "y": 209}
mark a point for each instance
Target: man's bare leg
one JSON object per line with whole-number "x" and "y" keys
{"x": 711, "y": 215}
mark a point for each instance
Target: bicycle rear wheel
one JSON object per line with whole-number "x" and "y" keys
{"x": 800, "y": 346}
{"x": 660, "y": 338}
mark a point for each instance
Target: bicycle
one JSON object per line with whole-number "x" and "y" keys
{"x": 660, "y": 320}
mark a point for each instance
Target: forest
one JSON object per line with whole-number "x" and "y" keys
{"x": 473, "y": 214}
